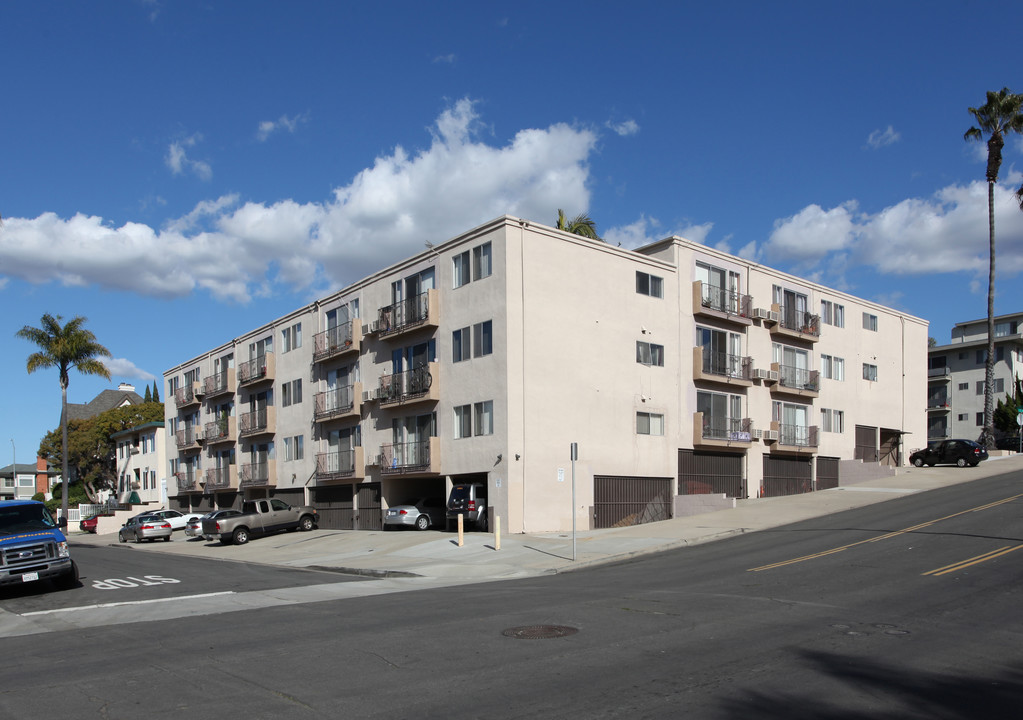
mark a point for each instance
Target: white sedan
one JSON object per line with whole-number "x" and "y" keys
{"x": 177, "y": 519}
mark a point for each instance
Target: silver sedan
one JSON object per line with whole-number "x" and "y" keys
{"x": 145, "y": 527}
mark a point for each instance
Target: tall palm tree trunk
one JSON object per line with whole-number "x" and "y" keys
{"x": 989, "y": 365}
{"x": 63, "y": 452}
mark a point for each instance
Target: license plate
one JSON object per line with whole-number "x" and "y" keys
{"x": 29, "y": 577}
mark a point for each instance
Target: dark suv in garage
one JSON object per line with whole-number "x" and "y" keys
{"x": 470, "y": 500}
{"x": 950, "y": 452}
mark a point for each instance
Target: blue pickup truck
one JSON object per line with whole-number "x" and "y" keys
{"x": 32, "y": 546}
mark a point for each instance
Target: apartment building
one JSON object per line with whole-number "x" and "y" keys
{"x": 677, "y": 370}
{"x": 955, "y": 376}
{"x": 141, "y": 454}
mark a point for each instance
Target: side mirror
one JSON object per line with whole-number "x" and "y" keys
{"x": 62, "y": 522}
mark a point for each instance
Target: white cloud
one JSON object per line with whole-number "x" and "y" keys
{"x": 626, "y": 128}
{"x": 269, "y": 127}
{"x": 448, "y": 59}
{"x": 179, "y": 163}
{"x": 124, "y": 368}
{"x": 383, "y": 215}
{"x": 883, "y": 138}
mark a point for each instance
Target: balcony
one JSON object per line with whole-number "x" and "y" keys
{"x": 347, "y": 464}
{"x": 409, "y": 387}
{"x": 939, "y": 404}
{"x": 188, "y": 438}
{"x": 220, "y": 431}
{"x": 222, "y": 383}
{"x": 258, "y": 422}
{"x": 715, "y": 302}
{"x": 733, "y": 370}
{"x": 338, "y": 341}
{"x": 797, "y": 324}
{"x": 187, "y": 395}
{"x": 711, "y": 431}
{"x": 940, "y": 374}
{"x": 187, "y": 481}
{"x": 338, "y": 403}
{"x": 221, "y": 478}
{"x": 801, "y": 439}
{"x": 418, "y": 458}
{"x": 418, "y": 312}
{"x": 255, "y": 475}
{"x": 796, "y": 381}
{"x": 257, "y": 370}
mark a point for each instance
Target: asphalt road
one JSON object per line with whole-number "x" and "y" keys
{"x": 904, "y": 609}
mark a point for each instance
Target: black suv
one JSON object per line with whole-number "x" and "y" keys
{"x": 950, "y": 452}
{"x": 470, "y": 500}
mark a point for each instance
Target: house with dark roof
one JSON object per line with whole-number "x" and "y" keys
{"x": 107, "y": 400}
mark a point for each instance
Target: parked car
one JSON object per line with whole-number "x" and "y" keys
{"x": 89, "y": 524}
{"x": 177, "y": 520}
{"x": 469, "y": 500}
{"x": 145, "y": 527}
{"x": 1008, "y": 443}
{"x": 949, "y": 452}
{"x": 193, "y": 528}
{"x": 420, "y": 513}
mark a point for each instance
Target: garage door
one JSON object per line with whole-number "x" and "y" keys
{"x": 369, "y": 515}
{"x": 701, "y": 473}
{"x": 336, "y": 507}
{"x": 620, "y": 501}
{"x": 827, "y": 473}
{"x": 787, "y": 476}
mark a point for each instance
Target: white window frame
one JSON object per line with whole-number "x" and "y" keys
{"x": 482, "y": 261}
{"x": 483, "y": 417}
{"x": 651, "y": 285}
{"x": 649, "y": 354}
{"x": 650, "y": 424}
{"x": 462, "y": 421}
{"x": 460, "y": 270}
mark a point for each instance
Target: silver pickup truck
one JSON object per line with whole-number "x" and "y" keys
{"x": 259, "y": 517}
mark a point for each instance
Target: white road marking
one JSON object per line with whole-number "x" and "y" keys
{"x": 120, "y": 604}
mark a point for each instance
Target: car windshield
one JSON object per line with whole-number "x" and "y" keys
{"x": 21, "y": 518}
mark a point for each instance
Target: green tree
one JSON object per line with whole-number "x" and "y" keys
{"x": 1005, "y": 413}
{"x": 156, "y": 392}
{"x": 91, "y": 451}
{"x": 149, "y": 395}
{"x": 64, "y": 347}
{"x": 1000, "y": 116}
{"x": 579, "y": 225}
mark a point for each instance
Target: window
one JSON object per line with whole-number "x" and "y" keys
{"x": 484, "y": 412}
{"x": 825, "y": 420}
{"x": 463, "y": 421}
{"x": 460, "y": 269}
{"x": 291, "y": 393}
{"x": 980, "y": 419}
{"x": 963, "y": 417}
{"x": 832, "y": 313}
{"x": 981, "y": 357}
{"x": 838, "y": 422}
{"x": 649, "y": 285}
{"x": 980, "y": 387}
{"x": 826, "y": 366}
{"x": 999, "y": 385}
{"x": 649, "y": 424}
{"x": 964, "y": 386}
{"x": 482, "y": 338}
{"x": 649, "y": 354}
{"x": 291, "y": 337}
{"x": 460, "y": 341}
{"x": 870, "y": 372}
{"x": 999, "y": 354}
{"x": 870, "y": 322}
{"x": 481, "y": 262}
{"x": 1005, "y": 328}
{"x": 293, "y": 448}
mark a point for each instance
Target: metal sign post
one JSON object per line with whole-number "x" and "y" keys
{"x": 574, "y": 451}
{"x": 1019, "y": 422}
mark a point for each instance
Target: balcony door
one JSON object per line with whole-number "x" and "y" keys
{"x": 722, "y": 351}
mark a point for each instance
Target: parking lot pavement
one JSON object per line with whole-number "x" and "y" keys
{"x": 436, "y": 554}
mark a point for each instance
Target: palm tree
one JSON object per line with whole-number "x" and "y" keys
{"x": 579, "y": 225}
{"x": 998, "y": 117}
{"x": 64, "y": 347}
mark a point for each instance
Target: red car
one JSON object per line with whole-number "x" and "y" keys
{"x": 89, "y": 523}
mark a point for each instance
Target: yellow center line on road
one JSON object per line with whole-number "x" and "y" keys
{"x": 886, "y": 536}
{"x": 973, "y": 561}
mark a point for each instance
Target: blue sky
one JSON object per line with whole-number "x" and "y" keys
{"x": 144, "y": 141}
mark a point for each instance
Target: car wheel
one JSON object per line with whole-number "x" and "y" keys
{"x": 422, "y": 522}
{"x": 240, "y": 537}
{"x": 481, "y": 522}
{"x": 121, "y": 538}
{"x": 305, "y": 524}
{"x": 167, "y": 539}
{"x": 918, "y": 462}
{"x": 138, "y": 539}
{"x": 961, "y": 462}
{"x": 69, "y": 579}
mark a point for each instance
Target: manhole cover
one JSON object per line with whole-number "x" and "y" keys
{"x": 539, "y": 632}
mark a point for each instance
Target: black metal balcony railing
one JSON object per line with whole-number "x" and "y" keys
{"x": 800, "y": 321}
{"x": 253, "y": 422}
{"x": 254, "y": 474}
{"x": 404, "y": 315}
{"x": 797, "y": 435}
{"x": 332, "y": 340}
{"x": 726, "y": 301}
{"x": 185, "y": 395}
{"x": 405, "y": 385}
{"x": 939, "y": 372}
{"x": 253, "y": 370}
{"x": 726, "y": 428}
{"x": 405, "y": 457}
{"x": 799, "y": 378}
{"x": 217, "y": 384}
{"x": 217, "y": 430}
{"x": 728, "y": 365}
{"x": 335, "y": 464}
{"x": 188, "y": 435}
{"x": 938, "y": 403}
{"x": 186, "y": 480}
{"x": 218, "y": 478}
{"x": 336, "y": 401}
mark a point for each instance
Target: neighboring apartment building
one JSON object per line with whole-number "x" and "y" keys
{"x": 678, "y": 370}
{"x": 955, "y": 378}
{"x": 141, "y": 464}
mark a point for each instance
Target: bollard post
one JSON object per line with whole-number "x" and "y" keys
{"x": 497, "y": 533}
{"x": 461, "y": 529}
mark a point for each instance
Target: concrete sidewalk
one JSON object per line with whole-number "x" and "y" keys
{"x": 436, "y": 555}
